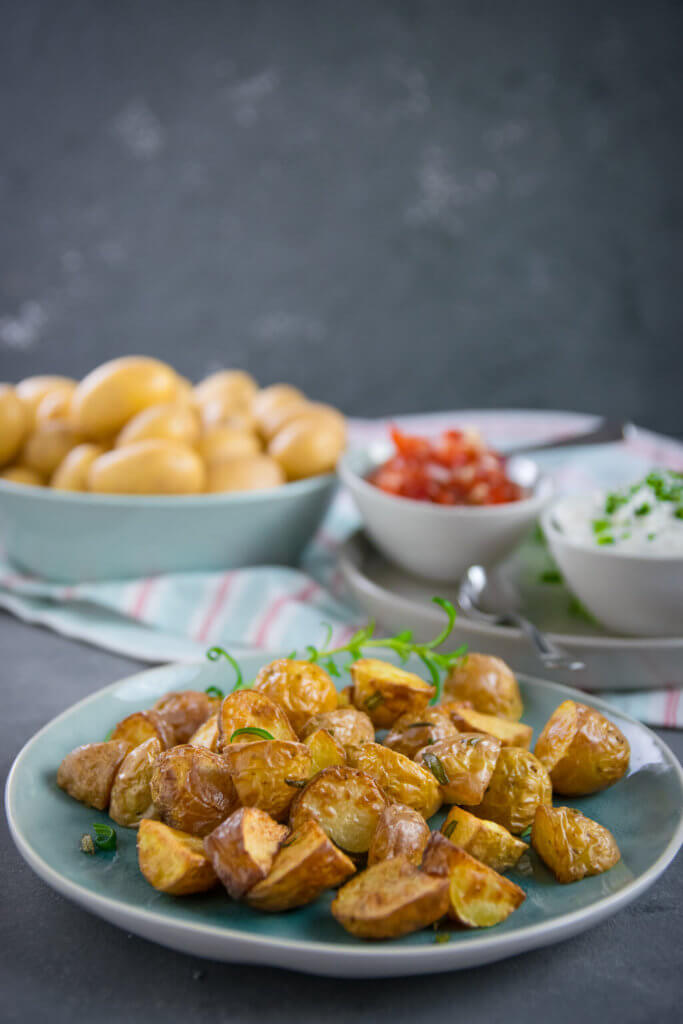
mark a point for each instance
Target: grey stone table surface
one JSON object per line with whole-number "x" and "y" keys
{"x": 59, "y": 963}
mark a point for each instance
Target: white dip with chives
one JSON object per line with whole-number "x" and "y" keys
{"x": 645, "y": 519}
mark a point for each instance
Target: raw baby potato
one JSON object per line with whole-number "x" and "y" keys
{"x": 571, "y": 845}
{"x": 47, "y": 445}
{"x": 155, "y": 466}
{"x": 413, "y": 732}
{"x": 185, "y": 711}
{"x": 243, "y": 473}
{"x": 510, "y": 734}
{"x": 72, "y": 472}
{"x": 488, "y": 683}
{"x": 391, "y": 898}
{"x": 141, "y": 726}
{"x": 478, "y": 896}
{"x": 403, "y": 781}
{"x": 22, "y": 475}
{"x": 400, "y": 832}
{"x": 306, "y": 865}
{"x": 192, "y": 788}
{"x": 518, "y": 785}
{"x": 175, "y": 421}
{"x": 386, "y": 692}
{"x": 583, "y": 751}
{"x": 87, "y": 774}
{"x": 326, "y": 751}
{"x": 131, "y": 796}
{"x": 32, "y": 391}
{"x": 235, "y": 386}
{"x": 462, "y": 765}
{"x": 266, "y": 401}
{"x": 112, "y": 394}
{"x": 345, "y": 802}
{"x": 302, "y": 689}
{"x": 308, "y": 445}
{"x": 243, "y": 847}
{"x": 268, "y": 773}
{"x": 349, "y": 726}
{"x": 225, "y": 442}
{"x": 485, "y": 840}
{"x": 14, "y": 421}
{"x": 248, "y": 709}
{"x": 173, "y": 861}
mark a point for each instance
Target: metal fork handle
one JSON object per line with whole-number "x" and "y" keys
{"x": 550, "y": 653}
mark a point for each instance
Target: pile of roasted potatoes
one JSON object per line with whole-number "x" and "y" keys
{"x": 284, "y": 790}
{"x": 134, "y": 426}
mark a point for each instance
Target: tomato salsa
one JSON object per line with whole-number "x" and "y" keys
{"x": 457, "y": 468}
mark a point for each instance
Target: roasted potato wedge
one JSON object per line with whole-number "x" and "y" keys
{"x": 413, "y": 732}
{"x": 485, "y": 840}
{"x": 518, "y": 785}
{"x": 386, "y": 692}
{"x": 400, "y": 832}
{"x": 478, "y": 896}
{"x": 345, "y": 802}
{"x": 391, "y": 898}
{"x": 249, "y": 709}
{"x": 348, "y": 725}
{"x": 403, "y": 781}
{"x": 301, "y": 688}
{"x": 88, "y": 772}
{"x": 306, "y": 864}
{"x": 144, "y": 725}
{"x": 583, "y": 751}
{"x": 192, "y": 788}
{"x": 462, "y": 765}
{"x": 243, "y": 847}
{"x": 173, "y": 861}
{"x": 326, "y": 751}
{"x": 206, "y": 735}
{"x": 185, "y": 712}
{"x": 488, "y": 683}
{"x": 466, "y": 719}
{"x": 268, "y": 773}
{"x": 131, "y": 796}
{"x": 345, "y": 697}
{"x": 572, "y": 845}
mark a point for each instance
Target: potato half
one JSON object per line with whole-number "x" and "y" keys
{"x": 326, "y": 751}
{"x": 403, "y": 781}
{"x": 131, "y": 795}
{"x": 206, "y": 735}
{"x": 173, "y": 861}
{"x": 485, "y": 840}
{"x": 88, "y": 772}
{"x": 193, "y": 789}
{"x": 412, "y": 732}
{"x": 141, "y": 726}
{"x": 185, "y": 711}
{"x": 401, "y": 832}
{"x": 462, "y": 765}
{"x": 243, "y": 847}
{"x": 509, "y": 734}
{"x": 518, "y": 785}
{"x": 488, "y": 683}
{"x": 249, "y": 709}
{"x": 572, "y": 845}
{"x": 348, "y": 725}
{"x": 386, "y": 692}
{"x": 583, "y": 751}
{"x": 345, "y": 802}
{"x": 301, "y": 688}
{"x": 268, "y": 773}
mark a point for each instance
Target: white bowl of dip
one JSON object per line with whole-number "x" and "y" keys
{"x": 622, "y": 555}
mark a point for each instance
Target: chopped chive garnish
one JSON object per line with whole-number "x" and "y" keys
{"x": 436, "y": 767}
{"x": 605, "y": 538}
{"x": 551, "y": 576}
{"x": 374, "y": 700}
{"x": 420, "y": 725}
{"x": 651, "y": 536}
{"x": 252, "y": 730}
{"x": 678, "y": 514}
{"x": 440, "y": 937}
{"x": 450, "y": 829}
{"x": 297, "y": 783}
{"x": 643, "y": 509}
{"x": 601, "y": 524}
{"x": 105, "y": 837}
{"x": 213, "y": 691}
{"x": 579, "y": 611}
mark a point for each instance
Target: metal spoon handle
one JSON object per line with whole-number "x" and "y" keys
{"x": 548, "y": 652}
{"x": 604, "y": 433}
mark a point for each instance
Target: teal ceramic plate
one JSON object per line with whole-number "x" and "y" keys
{"x": 644, "y": 811}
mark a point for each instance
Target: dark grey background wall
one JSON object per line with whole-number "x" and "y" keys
{"x": 398, "y": 206}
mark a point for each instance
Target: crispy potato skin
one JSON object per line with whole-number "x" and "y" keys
{"x": 348, "y": 725}
{"x": 143, "y": 725}
{"x": 486, "y": 841}
{"x": 488, "y": 683}
{"x": 131, "y": 796}
{"x": 173, "y": 861}
{"x": 251, "y": 709}
{"x": 467, "y": 761}
{"x": 206, "y": 735}
{"x": 583, "y": 751}
{"x": 518, "y": 785}
{"x": 193, "y": 789}
{"x": 345, "y": 802}
{"x": 243, "y": 847}
{"x": 326, "y": 751}
{"x": 266, "y": 773}
{"x": 391, "y": 898}
{"x": 403, "y": 781}
{"x": 386, "y": 692}
{"x": 185, "y": 712}
{"x": 413, "y": 732}
{"x": 571, "y": 845}
{"x": 88, "y": 772}
{"x": 400, "y": 832}
{"x": 306, "y": 865}
{"x": 479, "y": 896}
{"x": 466, "y": 719}
{"x": 301, "y": 688}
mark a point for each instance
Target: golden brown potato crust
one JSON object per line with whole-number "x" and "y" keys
{"x": 400, "y": 832}
{"x": 326, "y": 751}
{"x": 348, "y": 725}
{"x": 466, "y": 719}
{"x": 391, "y": 898}
{"x": 345, "y": 802}
{"x": 246, "y": 709}
{"x": 192, "y": 788}
{"x": 572, "y": 845}
{"x": 131, "y": 796}
{"x": 143, "y": 725}
{"x": 462, "y": 765}
{"x": 185, "y": 712}
{"x": 485, "y": 840}
{"x": 207, "y": 734}
{"x": 403, "y": 781}
{"x": 268, "y": 773}
{"x": 518, "y": 785}
{"x": 412, "y": 732}
{"x": 306, "y": 865}
{"x": 301, "y": 688}
{"x": 488, "y": 683}
{"x": 386, "y": 692}
{"x": 243, "y": 847}
{"x": 583, "y": 751}
{"x": 173, "y": 861}
{"x": 88, "y": 772}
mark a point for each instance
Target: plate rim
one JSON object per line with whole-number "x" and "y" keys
{"x": 350, "y": 554}
{"x": 428, "y": 959}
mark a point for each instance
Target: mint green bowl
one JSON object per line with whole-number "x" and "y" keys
{"x": 71, "y": 537}
{"x": 644, "y": 812}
